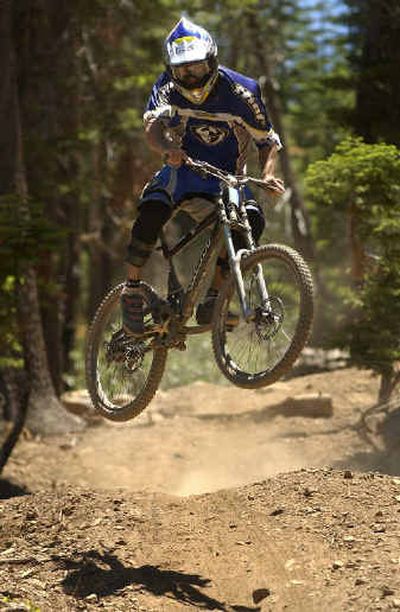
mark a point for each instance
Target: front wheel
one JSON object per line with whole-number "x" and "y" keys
{"x": 257, "y": 352}
{"x": 122, "y": 372}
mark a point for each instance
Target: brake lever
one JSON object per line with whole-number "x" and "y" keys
{"x": 196, "y": 166}
{"x": 265, "y": 185}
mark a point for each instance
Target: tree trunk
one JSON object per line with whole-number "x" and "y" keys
{"x": 7, "y": 446}
{"x": 388, "y": 383}
{"x": 385, "y": 387}
{"x": 377, "y": 112}
{"x": 7, "y": 117}
{"x": 300, "y": 220}
{"x": 100, "y": 265}
{"x": 357, "y": 251}
{"x": 45, "y": 413}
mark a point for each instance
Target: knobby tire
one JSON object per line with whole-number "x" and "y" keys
{"x": 143, "y": 398}
{"x": 302, "y": 275}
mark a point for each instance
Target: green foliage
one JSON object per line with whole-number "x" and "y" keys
{"x": 184, "y": 368}
{"x": 363, "y": 176}
{"x": 25, "y": 232}
{"x": 10, "y": 349}
{"x": 15, "y": 603}
{"x": 363, "y": 181}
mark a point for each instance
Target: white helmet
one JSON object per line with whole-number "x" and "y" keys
{"x": 191, "y": 58}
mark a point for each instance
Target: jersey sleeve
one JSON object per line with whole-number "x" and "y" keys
{"x": 254, "y": 115}
{"x": 272, "y": 137}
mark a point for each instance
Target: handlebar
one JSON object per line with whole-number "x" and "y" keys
{"x": 233, "y": 180}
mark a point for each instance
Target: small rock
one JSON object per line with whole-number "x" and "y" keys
{"x": 396, "y": 603}
{"x": 277, "y": 512}
{"x": 359, "y": 581}
{"x": 91, "y": 597}
{"x": 337, "y": 565}
{"x": 68, "y": 445}
{"x": 349, "y": 538}
{"x": 289, "y": 564}
{"x": 386, "y": 591}
{"x": 348, "y": 475}
{"x": 260, "y": 594}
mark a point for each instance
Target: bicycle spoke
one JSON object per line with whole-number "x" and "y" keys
{"x": 119, "y": 367}
{"x": 257, "y": 346}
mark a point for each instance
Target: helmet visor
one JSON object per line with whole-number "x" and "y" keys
{"x": 191, "y": 75}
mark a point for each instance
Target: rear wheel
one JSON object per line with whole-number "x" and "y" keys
{"x": 258, "y": 352}
{"x": 122, "y": 372}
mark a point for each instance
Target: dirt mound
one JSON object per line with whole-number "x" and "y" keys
{"x": 205, "y": 437}
{"x": 308, "y": 540}
{"x": 107, "y": 518}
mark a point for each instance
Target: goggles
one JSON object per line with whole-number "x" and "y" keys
{"x": 194, "y": 71}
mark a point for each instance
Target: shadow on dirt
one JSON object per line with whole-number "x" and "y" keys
{"x": 9, "y": 489}
{"x": 104, "y": 574}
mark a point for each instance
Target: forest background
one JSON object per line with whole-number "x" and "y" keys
{"x": 75, "y": 79}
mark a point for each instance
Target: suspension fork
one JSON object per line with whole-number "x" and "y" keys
{"x": 262, "y": 287}
{"x": 235, "y": 258}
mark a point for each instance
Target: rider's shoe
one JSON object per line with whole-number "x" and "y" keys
{"x": 132, "y": 309}
{"x": 205, "y": 310}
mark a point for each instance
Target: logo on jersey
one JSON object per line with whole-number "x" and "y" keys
{"x": 209, "y": 134}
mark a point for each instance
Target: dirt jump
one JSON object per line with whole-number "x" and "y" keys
{"x": 215, "y": 498}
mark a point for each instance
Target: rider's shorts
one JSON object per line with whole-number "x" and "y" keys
{"x": 181, "y": 189}
{"x": 175, "y": 185}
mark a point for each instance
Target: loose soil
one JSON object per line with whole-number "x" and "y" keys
{"x": 214, "y": 499}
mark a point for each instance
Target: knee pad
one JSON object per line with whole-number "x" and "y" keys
{"x": 153, "y": 215}
{"x": 256, "y": 220}
{"x": 257, "y": 224}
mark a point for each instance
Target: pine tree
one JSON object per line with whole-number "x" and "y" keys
{"x": 374, "y": 33}
{"x": 360, "y": 182}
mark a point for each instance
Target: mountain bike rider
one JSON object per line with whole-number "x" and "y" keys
{"x": 219, "y": 112}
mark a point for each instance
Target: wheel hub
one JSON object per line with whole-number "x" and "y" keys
{"x": 269, "y": 319}
{"x": 125, "y": 350}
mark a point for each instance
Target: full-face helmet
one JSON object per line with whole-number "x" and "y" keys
{"x": 191, "y": 58}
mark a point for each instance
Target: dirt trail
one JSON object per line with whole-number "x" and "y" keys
{"x": 112, "y": 521}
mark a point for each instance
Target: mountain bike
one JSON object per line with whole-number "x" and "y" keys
{"x": 261, "y": 319}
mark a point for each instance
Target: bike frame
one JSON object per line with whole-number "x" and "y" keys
{"x": 225, "y": 218}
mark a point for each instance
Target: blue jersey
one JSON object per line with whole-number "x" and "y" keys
{"x": 220, "y": 129}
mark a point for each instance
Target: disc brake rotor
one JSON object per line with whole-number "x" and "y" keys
{"x": 269, "y": 319}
